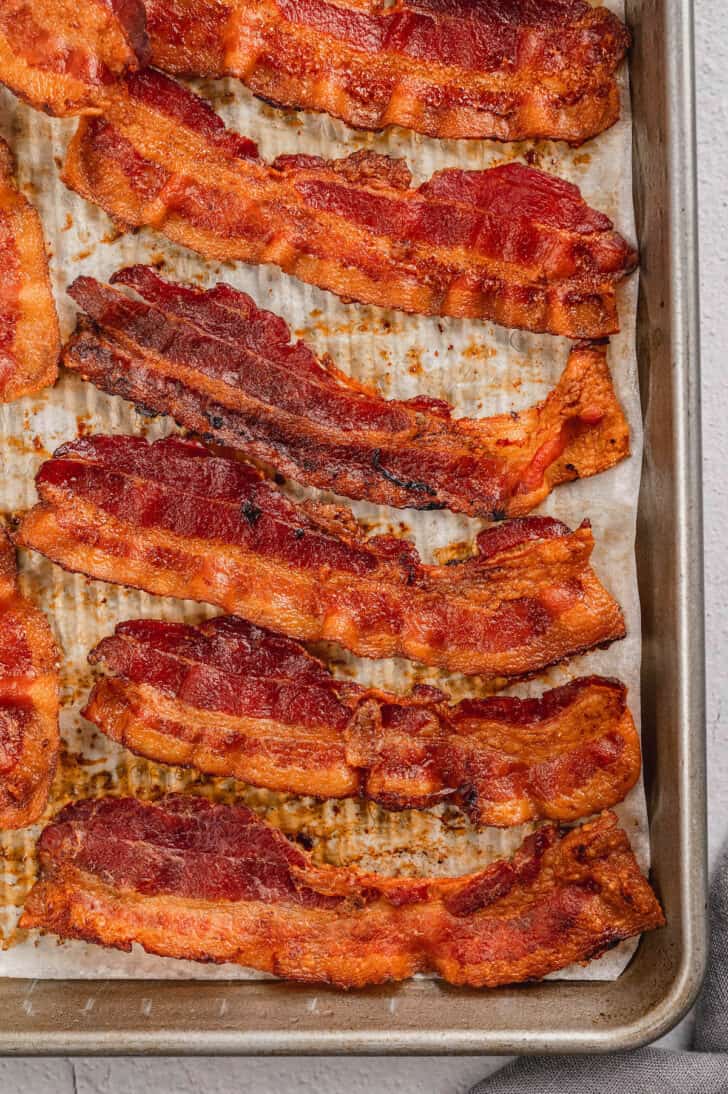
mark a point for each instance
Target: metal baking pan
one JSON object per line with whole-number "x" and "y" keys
{"x": 427, "y": 1016}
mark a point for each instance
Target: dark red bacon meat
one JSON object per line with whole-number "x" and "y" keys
{"x": 176, "y": 520}
{"x": 29, "y": 337}
{"x": 62, "y": 56}
{"x": 228, "y": 371}
{"x": 510, "y": 244}
{"x": 190, "y": 879}
{"x": 28, "y": 701}
{"x": 233, "y": 700}
{"x": 507, "y": 69}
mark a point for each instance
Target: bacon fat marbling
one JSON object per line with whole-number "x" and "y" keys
{"x": 511, "y": 244}
{"x": 228, "y": 370}
{"x": 187, "y": 878}
{"x": 63, "y": 56}
{"x": 177, "y": 520}
{"x": 29, "y": 335}
{"x": 28, "y": 701}
{"x": 233, "y": 700}
{"x": 505, "y": 69}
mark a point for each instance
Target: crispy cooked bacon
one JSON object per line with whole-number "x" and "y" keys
{"x": 233, "y": 700}
{"x": 229, "y": 371}
{"x": 62, "y": 56}
{"x": 510, "y": 244}
{"x": 28, "y": 701}
{"x": 187, "y": 878}
{"x": 176, "y": 520}
{"x": 29, "y": 337}
{"x": 508, "y": 69}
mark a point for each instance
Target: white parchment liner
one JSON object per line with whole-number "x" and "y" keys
{"x": 480, "y": 368}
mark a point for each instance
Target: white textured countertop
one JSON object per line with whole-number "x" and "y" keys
{"x": 433, "y": 1075}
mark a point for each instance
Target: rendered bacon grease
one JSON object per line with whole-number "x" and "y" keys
{"x": 228, "y": 370}
{"x": 177, "y": 520}
{"x": 29, "y": 336}
{"x": 511, "y": 244}
{"x": 230, "y": 699}
{"x": 190, "y": 879}
{"x": 28, "y": 701}
{"x": 508, "y": 69}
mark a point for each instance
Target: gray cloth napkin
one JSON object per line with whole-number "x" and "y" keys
{"x": 704, "y": 1070}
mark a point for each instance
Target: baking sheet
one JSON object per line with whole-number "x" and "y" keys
{"x": 480, "y": 368}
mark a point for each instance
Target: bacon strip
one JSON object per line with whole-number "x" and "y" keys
{"x": 29, "y": 336}
{"x": 190, "y": 879}
{"x": 61, "y": 56}
{"x": 176, "y": 520}
{"x": 510, "y": 244}
{"x": 228, "y": 370}
{"x": 232, "y": 700}
{"x": 506, "y": 69}
{"x": 28, "y": 701}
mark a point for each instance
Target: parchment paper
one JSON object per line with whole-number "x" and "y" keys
{"x": 481, "y": 368}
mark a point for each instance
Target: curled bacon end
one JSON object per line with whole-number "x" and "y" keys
{"x": 177, "y": 520}
{"x": 511, "y": 244}
{"x": 63, "y": 56}
{"x": 506, "y": 69}
{"x": 187, "y": 878}
{"x": 236, "y": 701}
{"x": 228, "y": 370}
{"x": 28, "y": 701}
{"x": 29, "y": 336}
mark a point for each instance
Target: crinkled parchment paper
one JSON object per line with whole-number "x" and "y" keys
{"x": 480, "y": 368}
